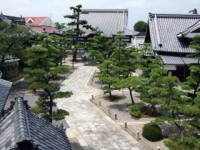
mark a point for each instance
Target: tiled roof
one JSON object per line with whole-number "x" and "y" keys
{"x": 12, "y": 19}
{"x": 5, "y": 87}
{"x": 36, "y": 20}
{"x": 22, "y": 127}
{"x": 164, "y": 29}
{"x": 110, "y": 21}
{"x": 175, "y": 60}
{"x": 191, "y": 31}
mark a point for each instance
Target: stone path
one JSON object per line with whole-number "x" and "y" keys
{"x": 92, "y": 127}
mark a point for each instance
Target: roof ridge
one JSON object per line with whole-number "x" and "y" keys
{"x": 105, "y": 10}
{"x": 173, "y": 15}
{"x": 128, "y": 28}
{"x": 21, "y": 121}
{"x": 190, "y": 29}
{"x": 35, "y": 17}
{"x": 6, "y": 115}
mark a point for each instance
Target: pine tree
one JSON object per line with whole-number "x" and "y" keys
{"x": 76, "y": 25}
{"x": 59, "y": 26}
{"x": 118, "y": 65}
{"x": 193, "y": 81}
{"x": 131, "y": 83}
{"x": 107, "y": 76}
{"x": 42, "y": 71}
{"x": 173, "y": 101}
{"x": 59, "y": 43}
{"x": 99, "y": 48}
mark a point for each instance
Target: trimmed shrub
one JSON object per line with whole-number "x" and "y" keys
{"x": 136, "y": 114}
{"x": 136, "y": 110}
{"x": 139, "y": 110}
{"x": 152, "y": 132}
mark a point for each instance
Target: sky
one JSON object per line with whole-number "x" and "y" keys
{"x": 56, "y": 9}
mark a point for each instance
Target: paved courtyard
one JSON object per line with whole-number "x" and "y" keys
{"x": 92, "y": 127}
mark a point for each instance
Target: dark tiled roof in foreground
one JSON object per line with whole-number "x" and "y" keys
{"x": 110, "y": 21}
{"x": 164, "y": 29}
{"x": 5, "y": 87}
{"x": 175, "y": 60}
{"x": 22, "y": 128}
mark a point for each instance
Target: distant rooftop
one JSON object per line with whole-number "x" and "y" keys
{"x": 106, "y": 10}
{"x": 40, "y": 24}
{"x": 12, "y": 19}
{"x": 110, "y": 21}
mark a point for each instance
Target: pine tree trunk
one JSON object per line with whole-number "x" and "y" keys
{"x": 51, "y": 109}
{"x": 77, "y": 35}
{"x": 110, "y": 94}
{"x": 131, "y": 95}
{"x": 195, "y": 92}
{"x": 50, "y": 105}
{"x": 74, "y": 56}
{"x": 2, "y": 69}
{"x": 110, "y": 91}
{"x": 181, "y": 129}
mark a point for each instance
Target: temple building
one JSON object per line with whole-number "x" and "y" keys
{"x": 170, "y": 36}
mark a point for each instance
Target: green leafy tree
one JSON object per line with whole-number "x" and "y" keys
{"x": 76, "y": 25}
{"x": 13, "y": 39}
{"x": 140, "y": 26}
{"x": 42, "y": 71}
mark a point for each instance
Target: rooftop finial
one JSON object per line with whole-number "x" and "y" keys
{"x": 1, "y": 13}
{"x": 194, "y": 11}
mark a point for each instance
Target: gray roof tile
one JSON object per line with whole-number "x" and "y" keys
{"x": 164, "y": 29}
{"x": 23, "y": 125}
{"x": 5, "y": 87}
{"x": 191, "y": 31}
{"x": 110, "y": 21}
{"x": 175, "y": 60}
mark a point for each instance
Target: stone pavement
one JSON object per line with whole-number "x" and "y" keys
{"x": 91, "y": 126}
{"x": 123, "y": 115}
